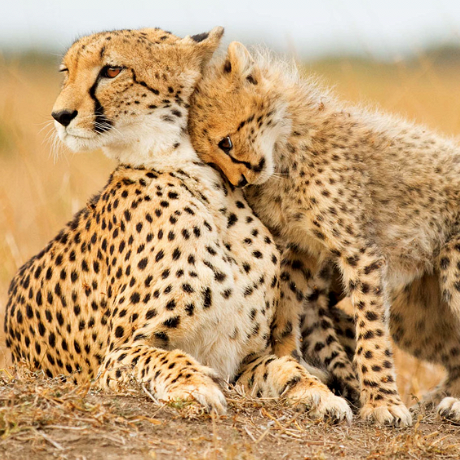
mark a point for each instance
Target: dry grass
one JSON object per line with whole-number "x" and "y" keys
{"x": 42, "y": 418}
{"x": 39, "y": 192}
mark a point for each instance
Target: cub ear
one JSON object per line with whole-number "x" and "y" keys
{"x": 240, "y": 63}
{"x": 204, "y": 44}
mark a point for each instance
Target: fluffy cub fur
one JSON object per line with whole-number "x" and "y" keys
{"x": 376, "y": 196}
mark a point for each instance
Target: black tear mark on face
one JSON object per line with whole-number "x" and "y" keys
{"x": 101, "y": 123}
{"x": 246, "y": 164}
{"x": 200, "y": 37}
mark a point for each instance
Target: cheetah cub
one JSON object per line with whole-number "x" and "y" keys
{"x": 377, "y": 195}
{"x": 154, "y": 279}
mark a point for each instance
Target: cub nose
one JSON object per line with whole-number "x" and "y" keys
{"x": 64, "y": 116}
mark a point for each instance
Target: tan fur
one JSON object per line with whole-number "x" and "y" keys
{"x": 167, "y": 276}
{"x": 376, "y": 195}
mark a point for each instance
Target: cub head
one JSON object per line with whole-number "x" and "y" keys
{"x": 129, "y": 86}
{"x": 236, "y": 118}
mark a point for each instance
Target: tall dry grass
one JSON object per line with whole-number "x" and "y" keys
{"x": 39, "y": 190}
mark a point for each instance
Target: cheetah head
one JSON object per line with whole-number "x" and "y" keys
{"x": 129, "y": 88}
{"x": 236, "y": 118}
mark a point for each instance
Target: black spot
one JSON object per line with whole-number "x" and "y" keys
{"x": 232, "y": 219}
{"x": 143, "y": 263}
{"x": 162, "y": 336}
{"x": 444, "y": 263}
{"x": 151, "y": 313}
{"x": 171, "y": 305}
{"x": 371, "y": 316}
{"x": 187, "y": 288}
{"x": 207, "y": 298}
{"x": 369, "y": 335}
{"x": 135, "y": 297}
{"x": 172, "y": 322}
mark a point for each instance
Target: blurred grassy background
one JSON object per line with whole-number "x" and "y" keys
{"x": 39, "y": 190}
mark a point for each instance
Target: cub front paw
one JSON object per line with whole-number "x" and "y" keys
{"x": 449, "y": 408}
{"x": 389, "y": 414}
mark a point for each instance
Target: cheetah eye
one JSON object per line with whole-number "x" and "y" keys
{"x": 226, "y": 144}
{"x": 110, "y": 72}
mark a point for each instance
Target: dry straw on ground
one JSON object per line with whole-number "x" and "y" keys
{"x": 49, "y": 419}
{"x": 42, "y": 418}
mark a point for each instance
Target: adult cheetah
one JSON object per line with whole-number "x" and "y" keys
{"x": 167, "y": 275}
{"x": 376, "y": 195}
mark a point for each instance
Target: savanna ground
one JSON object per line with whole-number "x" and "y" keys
{"x": 40, "y": 191}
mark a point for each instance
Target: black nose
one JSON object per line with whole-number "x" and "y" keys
{"x": 242, "y": 182}
{"x": 64, "y": 116}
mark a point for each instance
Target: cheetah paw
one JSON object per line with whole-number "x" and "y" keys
{"x": 396, "y": 415}
{"x": 321, "y": 403}
{"x": 449, "y": 408}
{"x": 201, "y": 388}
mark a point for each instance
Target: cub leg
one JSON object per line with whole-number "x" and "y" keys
{"x": 364, "y": 273}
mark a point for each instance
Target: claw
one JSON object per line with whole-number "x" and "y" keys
{"x": 449, "y": 408}
{"x": 391, "y": 415}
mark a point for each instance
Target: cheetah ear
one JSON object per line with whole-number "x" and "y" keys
{"x": 204, "y": 44}
{"x": 240, "y": 63}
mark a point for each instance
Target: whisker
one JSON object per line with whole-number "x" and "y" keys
{"x": 48, "y": 124}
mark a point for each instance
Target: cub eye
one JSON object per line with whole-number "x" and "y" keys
{"x": 110, "y": 72}
{"x": 226, "y": 144}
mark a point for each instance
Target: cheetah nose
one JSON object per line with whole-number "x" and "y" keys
{"x": 242, "y": 182}
{"x": 64, "y": 116}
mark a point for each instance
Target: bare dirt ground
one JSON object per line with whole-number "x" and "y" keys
{"x": 42, "y": 419}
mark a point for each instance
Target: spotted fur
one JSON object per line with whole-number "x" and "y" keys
{"x": 167, "y": 276}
